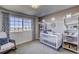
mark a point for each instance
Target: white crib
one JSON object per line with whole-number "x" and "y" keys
{"x": 53, "y": 40}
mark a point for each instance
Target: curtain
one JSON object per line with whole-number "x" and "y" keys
{"x": 5, "y": 23}
{"x": 33, "y": 28}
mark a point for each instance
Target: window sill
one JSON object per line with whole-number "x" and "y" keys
{"x": 20, "y": 31}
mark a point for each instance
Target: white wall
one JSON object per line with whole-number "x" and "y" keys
{"x": 60, "y": 18}
{"x": 36, "y": 28}
{"x": 0, "y": 21}
{"x": 21, "y": 37}
{"x": 59, "y": 24}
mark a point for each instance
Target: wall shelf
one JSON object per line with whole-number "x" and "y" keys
{"x": 71, "y": 36}
{"x": 71, "y": 49}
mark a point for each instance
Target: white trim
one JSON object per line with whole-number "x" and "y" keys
{"x": 22, "y": 42}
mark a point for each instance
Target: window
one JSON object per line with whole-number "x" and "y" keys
{"x": 19, "y": 24}
{"x": 27, "y": 24}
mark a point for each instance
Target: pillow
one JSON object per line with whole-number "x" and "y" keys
{"x": 3, "y": 35}
{"x": 3, "y": 41}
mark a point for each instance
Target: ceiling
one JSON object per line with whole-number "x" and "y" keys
{"x": 41, "y": 11}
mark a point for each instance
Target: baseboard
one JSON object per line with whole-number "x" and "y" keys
{"x": 37, "y": 39}
{"x": 18, "y": 44}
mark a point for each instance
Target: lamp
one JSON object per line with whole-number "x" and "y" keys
{"x": 68, "y": 16}
{"x": 35, "y": 6}
{"x": 53, "y": 19}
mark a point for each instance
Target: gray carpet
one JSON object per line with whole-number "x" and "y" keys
{"x": 35, "y": 47}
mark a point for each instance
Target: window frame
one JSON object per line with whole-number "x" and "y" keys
{"x": 22, "y": 21}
